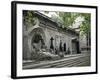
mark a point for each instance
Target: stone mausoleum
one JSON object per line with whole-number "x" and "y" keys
{"x": 48, "y": 36}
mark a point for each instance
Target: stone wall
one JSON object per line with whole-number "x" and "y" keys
{"x": 57, "y": 35}
{"x": 47, "y": 30}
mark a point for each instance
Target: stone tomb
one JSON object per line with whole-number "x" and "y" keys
{"x": 47, "y": 36}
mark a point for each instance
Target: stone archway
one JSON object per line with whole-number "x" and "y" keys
{"x": 37, "y": 37}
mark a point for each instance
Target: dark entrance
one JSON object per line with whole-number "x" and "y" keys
{"x": 75, "y": 46}
{"x": 64, "y": 46}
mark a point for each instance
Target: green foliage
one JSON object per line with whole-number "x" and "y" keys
{"x": 68, "y": 18}
{"x": 86, "y": 24}
{"x": 29, "y": 18}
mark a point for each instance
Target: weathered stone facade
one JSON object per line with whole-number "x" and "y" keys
{"x": 46, "y": 33}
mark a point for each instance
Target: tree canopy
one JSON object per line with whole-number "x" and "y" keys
{"x": 69, "y": 18}
{"x": 29, "y": 18}
{"x": 85, "y": 27}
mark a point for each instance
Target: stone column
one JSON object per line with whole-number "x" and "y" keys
{"x": 60, "y": 46}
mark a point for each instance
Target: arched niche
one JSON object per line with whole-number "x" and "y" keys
{"x": 36, "y": 35}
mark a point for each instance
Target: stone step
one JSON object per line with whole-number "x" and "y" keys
{"x": 67, "y": 61}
